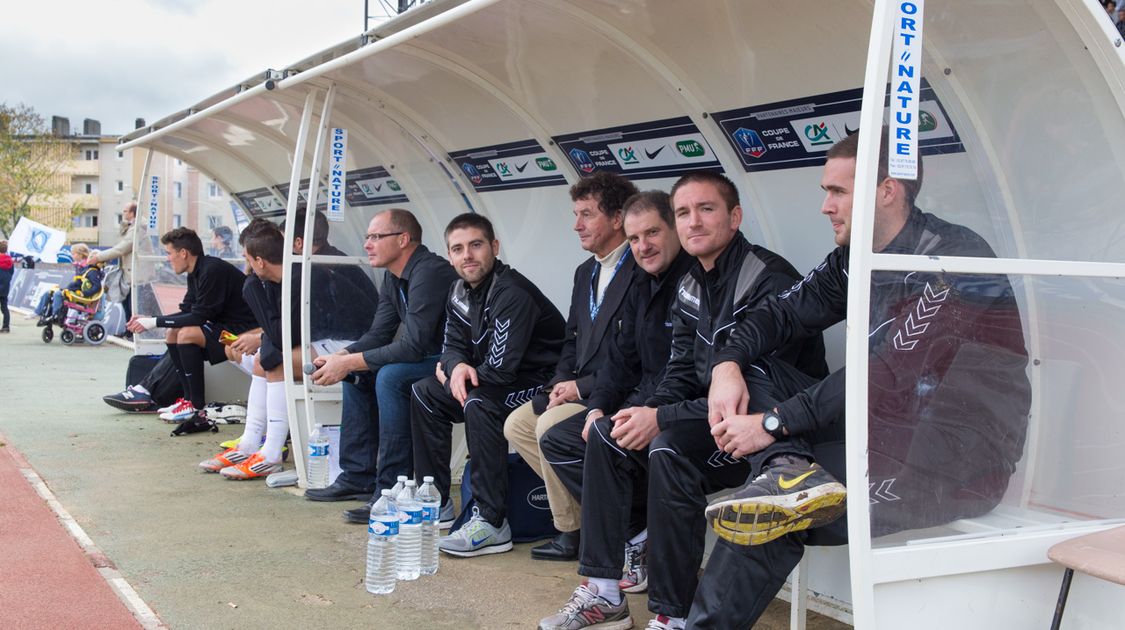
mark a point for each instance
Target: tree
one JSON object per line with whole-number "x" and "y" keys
{"x": 31, "y": 167}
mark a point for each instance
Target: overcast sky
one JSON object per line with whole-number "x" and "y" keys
{"x": 117, "y": 60}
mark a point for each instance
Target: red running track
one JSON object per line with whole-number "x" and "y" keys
{"x": 46, "y": 579}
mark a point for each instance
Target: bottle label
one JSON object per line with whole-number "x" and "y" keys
{"x": 411, "y": 517}
{"x": 431, "y": 514}
{"x": 386, "y": 529}
{"x": 318, "y": 450}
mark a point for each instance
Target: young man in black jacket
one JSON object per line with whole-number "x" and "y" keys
{"x": 213, "y": 303}
{"x": 375, "y": 434}
{"x": 502, "y": 342}
{"x": 948, "y": 401}
{"x": 614, "y": 456}
{"x": 600, "y": 285}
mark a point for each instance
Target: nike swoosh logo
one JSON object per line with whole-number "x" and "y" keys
{"x": 788, "y": 485}
{"x": 652, "y": 154}
{"x": 479, "y": 539}
{"x": 520, "y": 167}
{"x": 848, "y": 130}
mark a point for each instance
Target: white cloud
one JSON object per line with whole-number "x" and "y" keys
{"x": 116, "y": 60}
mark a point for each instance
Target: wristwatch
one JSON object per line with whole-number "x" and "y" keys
{"x": 773, "y": 424}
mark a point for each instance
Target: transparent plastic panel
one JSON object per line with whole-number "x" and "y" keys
{"x": 993, "y": 404}
{"x": 1020, "y": 130}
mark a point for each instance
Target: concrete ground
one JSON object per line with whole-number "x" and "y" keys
{"x": 204, "y": 552}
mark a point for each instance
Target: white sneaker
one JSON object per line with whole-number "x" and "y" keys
{"x": 179, "y": 413}
{"x": 477, "y": 537}
{"x": 179, "y": 401}
{"x": 661, "y": 622}
{"x": 224, "y": 413}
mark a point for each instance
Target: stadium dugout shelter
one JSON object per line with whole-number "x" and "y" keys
{"x": 498, "y": 106}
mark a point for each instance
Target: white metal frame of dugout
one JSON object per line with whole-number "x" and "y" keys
{"x": 1035, "y": 90}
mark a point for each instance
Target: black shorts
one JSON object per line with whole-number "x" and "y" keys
{"x": 216, "y": 351}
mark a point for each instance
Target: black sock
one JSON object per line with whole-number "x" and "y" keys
{"x": 174, "y": 355}
{"x": 191, "y": 359}
{"x": 787, "y": 458}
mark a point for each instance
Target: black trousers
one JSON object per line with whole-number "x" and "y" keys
{"x": 685, "y": 465}
{"x": 614, "y": 502}
{"x": 4, "y": 311}
{"x": 433, "y": 410}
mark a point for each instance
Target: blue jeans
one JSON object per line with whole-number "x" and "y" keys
{"x": 375, "y": 442}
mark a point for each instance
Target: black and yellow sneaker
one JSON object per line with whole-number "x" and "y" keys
{"x": 788, "y": 496}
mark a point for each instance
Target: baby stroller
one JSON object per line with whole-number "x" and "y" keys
{"x": 79, "y": 319}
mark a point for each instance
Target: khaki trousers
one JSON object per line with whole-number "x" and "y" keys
{"x": 523, "y": 429}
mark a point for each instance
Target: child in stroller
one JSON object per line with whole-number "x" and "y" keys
{"x": 76, "y": 308}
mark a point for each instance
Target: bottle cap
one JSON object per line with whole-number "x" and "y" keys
{"x": 427, "y": 479}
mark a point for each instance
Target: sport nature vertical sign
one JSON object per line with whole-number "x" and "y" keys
{"x": 906, "y": 75}
{"x": 337, "y": 174}
{"x": 153, "y": 202}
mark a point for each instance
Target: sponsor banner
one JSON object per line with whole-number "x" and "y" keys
{"x": 373, "y": 186}
{"x": 261, "y": 202}
{"x": 797, "y": 133}
{"x": 337, "y": 173}
{"x": 662, "y": 148}
{"x": 303, "y": 193}
{"x": 522, "y": 164}
{"x": 34, "y": 239}
{"x": 906, "y": 72}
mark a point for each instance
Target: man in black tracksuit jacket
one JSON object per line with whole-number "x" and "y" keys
{"x": 213, "y": 303}
{"x": 948, "y": 395}
{"x": 502, "y": 342}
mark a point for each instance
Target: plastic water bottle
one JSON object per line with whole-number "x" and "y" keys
{"x": 409, "y": 561}
{"x": 382, "y": 543}
{"x": 318, "y": 458}
{"x": 400, "y": 483}
{"x": 430, "y": 499}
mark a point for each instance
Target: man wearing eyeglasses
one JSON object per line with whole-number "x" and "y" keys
{"x": 375, "y": 439}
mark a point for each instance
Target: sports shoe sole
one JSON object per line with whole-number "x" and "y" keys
{"x": 639, "y": 587}
{"x": 616, "y": 624}
{"x": 763, "y": 519}
{"x": 481, "y": 551}
{"x": 135, "y": 407}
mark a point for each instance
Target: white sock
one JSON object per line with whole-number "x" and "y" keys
{"x": 607, "y": 589}
{"x": 677, "y": 622}
{"x": 639, "y": 538}
{"x": 138, "y": 388}
{"x": 277, "y": 428}
{"x": 247, "y": 364}
{"x": 255, "y": 427}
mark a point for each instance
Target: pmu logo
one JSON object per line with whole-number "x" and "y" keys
{"x": 749, "y": 142}
{"x": 472, "y": 172}
{"x": 818, "y": 134}
{"x": 582, "y": 160}
{"x": 628, "y": 155}
{"x": 690, "y": 148}
{"x": 503, "y": 169}
{"x": 545, "y": 164}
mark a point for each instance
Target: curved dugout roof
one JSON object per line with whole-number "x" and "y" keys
{"x": 498, "y": 105}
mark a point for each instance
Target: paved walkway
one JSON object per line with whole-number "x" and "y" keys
{"x": 200, "y": 551}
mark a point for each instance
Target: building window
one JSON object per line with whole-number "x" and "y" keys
{"x": 120, "y": 155}
{"x": 90, "y": 220}
{"x": 120, "y": 186}
{"x": 214, "y": 221}
{"x": 177, "y": 220}
{"x": 178, "y": 190}
{"x": 89, "y": 189}
{"x": 76, "y": 222}
{"x": 89, "y": 154}
{"x": 179, "y": 162}
{"x": 213, "y": 190}
{"x": 119, "y": 218}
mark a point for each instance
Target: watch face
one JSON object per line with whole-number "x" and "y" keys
{"x": 771, "y": 423}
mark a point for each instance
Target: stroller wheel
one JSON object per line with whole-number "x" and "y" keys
{"x": 48, "y": 334}
{"x": 94, "y": 333}
{"x": 66, "y": 336}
